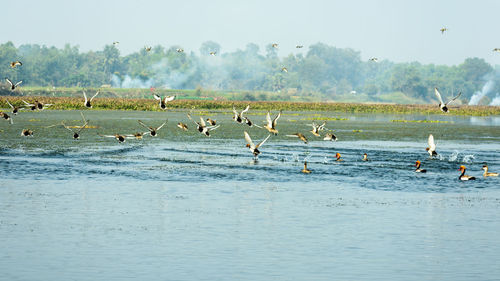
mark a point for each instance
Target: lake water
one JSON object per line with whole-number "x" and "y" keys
{"x": 182, "y": 206}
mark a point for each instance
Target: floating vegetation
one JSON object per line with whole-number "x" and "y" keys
{"x": 421, "y": 121}
{"x": 34, "y": 120}
{"x": 122, "y": 103}
{"x": 326, "y": 119}
{"x": 357, "y": 131}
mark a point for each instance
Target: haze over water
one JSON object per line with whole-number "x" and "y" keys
{"x": 185, "y": 207}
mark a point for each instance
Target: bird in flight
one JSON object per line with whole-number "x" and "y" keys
{"x": 15, "y": 63}
{"x": 443, "y": 30}
{"x": 442, "y": 105}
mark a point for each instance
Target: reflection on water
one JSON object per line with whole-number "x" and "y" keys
{"x": 185, "y": 207}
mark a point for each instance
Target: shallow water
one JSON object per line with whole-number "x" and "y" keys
{"x": 182, "y": 206}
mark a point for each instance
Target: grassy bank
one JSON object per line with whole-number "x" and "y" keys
{"x": 74, "y": 103}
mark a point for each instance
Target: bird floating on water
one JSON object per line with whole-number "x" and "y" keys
{"x": 163, "y": 102}
{"x": 87, "y": 102}
{"x": 305, "y": 170}
{"x": 254, "y": 148}
{"x": 12, "y": 85}
{"x": 338, "y": 157}
{"x": 488, "y": 174}
{"x": 442, "y": 105}
{"x": 365, "y": 157}
{"x": 463, "y": 176}
{"x": 417, "y": 169}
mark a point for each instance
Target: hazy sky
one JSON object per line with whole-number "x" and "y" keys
{"x": 401, "y": 31}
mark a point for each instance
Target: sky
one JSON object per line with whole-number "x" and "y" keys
{"x": 397, "y": 30}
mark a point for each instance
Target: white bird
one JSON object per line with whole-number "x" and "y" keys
{"x": 442, "y": 105}
{"x": 12, "y": 85}
{"x": 317, "y": 128}
{"x": 432, "y": 146}
{"x": 238, "y": 117}
{"x": 88, "y": 101}
{"x": 254, "y": 148}
{"x": 163, "y": 102}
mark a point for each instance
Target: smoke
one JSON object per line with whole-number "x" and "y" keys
{"x": 129, "y": 82}
{"x": 496, "y": 100}
{"x": 476, "y": 98}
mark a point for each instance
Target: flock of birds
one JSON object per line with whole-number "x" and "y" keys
{"x": 238, "y": 117}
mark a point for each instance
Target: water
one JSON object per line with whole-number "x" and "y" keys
{"x": 185, "y": 207}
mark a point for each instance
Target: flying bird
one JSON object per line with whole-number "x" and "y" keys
{"x": 12, "y": 85}
{"x": 152, "y": 131}
{"x": 212, "y": 122}
{"x": 27, "y": 133}
{"x": 317, "y": 128}
{"x": 118, "y": 137}
{"x": 238, "y": 117}
{"x": 37, "y": 105}
{"x": 432, "y": 146}
{"x": 202, "y": 126}
{"x": 275, "y": 45}
{"x": 442, "y": 105}
{"x": 213, "y": 53}
{"x": 179, "y": 50}
{"x": 496, "y": 50}
{"x": 299, "y": 46}
{"x": 284, "y": 69}
{"x": 254, "y": 148}
{"x": 15, "y": 109}
{"x": 374, "y": 59}
{"x": 443, "y": 30}
{"x": 300, "y": 136}
{"x": 271, "y": 124}
{"x": 6, "y": 117}
{"x": 330, "y": 137}
{"x": 182, "y": 126}
{"x": 87, "y": 102}
{"x": 147, "y": 49}
{"x": 163, "y": 102}
{"x": 76, "y": 133}
{"x": 15, "y": 63}
{"x": 116, "y": 43}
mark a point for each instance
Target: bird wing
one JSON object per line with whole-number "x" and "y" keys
{"x": 296, "y": 135}
{"x": 144, "y": 125}
{"x": 18, "y": 83}
{"x": 9, "y": 104}
{"x": 83, "y": 117}
{"x": 85, "y": 96}
{"x": 438, "y": 95}
{"x": 157, "y": 97}
{"x": 66, "y": 127}
{"x": 460, "y": 93}
{"x": 268, "y": 119}
{"x": 235, "y": 112}
{"x": 245, "y": 110}
{"x": 262, "y": 142}
{"x": 276, "y": 119}
{"x": 94, "y": 96}
{"x": 157, "y": 129}
{"x": 169, "y": 98}
{"x": 202, "y": 122}
{"x": 82, "y": 127}
{"x": 211, "y": 128}
{"x": 27, "y": 104}
{"x": 430, "y": 141}
{"x": 8, "y": 81}
{"x": 249, "y": 139}
{"x": 108, "y": 136}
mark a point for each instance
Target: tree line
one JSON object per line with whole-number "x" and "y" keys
{"x": 323, "y": 69}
